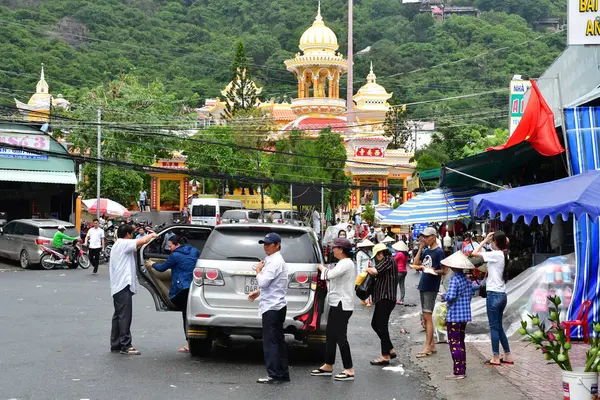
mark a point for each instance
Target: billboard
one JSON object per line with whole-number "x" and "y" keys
{"x": 583, "y": 22}
{"x": 518, "y": 89}
{"x": 38, "y": 142}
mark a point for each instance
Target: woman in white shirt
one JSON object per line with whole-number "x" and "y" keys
{"x": 341, "y": 304}
{"x": 362, "y": 260}
{"x": 496, "y": 260}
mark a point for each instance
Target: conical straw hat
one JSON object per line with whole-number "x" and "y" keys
{"x": 458, "y": 260}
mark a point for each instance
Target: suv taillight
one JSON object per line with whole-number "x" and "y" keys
{"x": 246, "y": 220}
{"x": 302, "y": 280}
{"x": 218, "y": 219}
{"x": 42, "y": 241}
{"x": 208, "y": 276}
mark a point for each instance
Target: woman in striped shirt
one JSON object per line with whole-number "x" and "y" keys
{"x": 384, "y": 298}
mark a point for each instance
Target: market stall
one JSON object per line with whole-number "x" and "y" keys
{"x": 577, "y": 196}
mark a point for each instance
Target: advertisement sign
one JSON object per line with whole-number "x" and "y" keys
{"x": 583, "y": 22}
{"x": 518, "y": 89}
{"x": 38, "y": 142}
{"x": 418, "y": 229}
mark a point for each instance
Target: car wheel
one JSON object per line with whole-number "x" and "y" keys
{"x": 25, "y": 263}
{"x": 200, "y": 347}
{"x": 46, "y": 261}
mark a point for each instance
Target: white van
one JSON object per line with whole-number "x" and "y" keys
{"x": 208, "y": 212}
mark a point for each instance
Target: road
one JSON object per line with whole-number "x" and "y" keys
{"x": 54, "y": 344}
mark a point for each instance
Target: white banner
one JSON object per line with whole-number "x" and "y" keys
{"x": 583, "y": 22}
{"x": 38, "y": 142}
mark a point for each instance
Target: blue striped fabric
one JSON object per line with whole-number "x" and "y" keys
{"x": 438, "y": 205}
{"x": 583, "y": 137}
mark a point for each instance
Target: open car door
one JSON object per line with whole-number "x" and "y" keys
{"x": 158, "y": 283}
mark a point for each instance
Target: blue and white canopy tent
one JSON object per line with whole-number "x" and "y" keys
{"x": 438, "y": 205}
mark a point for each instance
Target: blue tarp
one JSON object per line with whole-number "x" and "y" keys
{"x": 382, "y": 214}
{"x": 438, "y": 205}
{"x": 577, "y": 195}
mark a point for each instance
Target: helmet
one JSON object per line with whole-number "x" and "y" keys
{"x": 61, "y": 228}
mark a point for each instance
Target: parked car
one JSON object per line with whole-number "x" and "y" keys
{"x": 240, "y": 216}
{"x": 22, "y": 239}
{"x": 208, "y": 212}
{"x": 292, "y": 218}
{"x": 225, "y": 274}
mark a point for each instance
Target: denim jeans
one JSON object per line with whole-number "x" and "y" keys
{"x": 495, "y": 304}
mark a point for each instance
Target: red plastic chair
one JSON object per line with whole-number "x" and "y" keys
{"x": 582, "y": 320}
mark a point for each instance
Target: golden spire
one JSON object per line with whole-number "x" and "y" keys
{"x": 319, "y": 18}
{"x": 372, "y": 78}
{"x": 42, "y": 85}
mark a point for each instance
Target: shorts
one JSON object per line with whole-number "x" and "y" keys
{"x": 428, "y": 301}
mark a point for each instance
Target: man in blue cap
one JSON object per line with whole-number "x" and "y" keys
{"x": 272, "y": 276}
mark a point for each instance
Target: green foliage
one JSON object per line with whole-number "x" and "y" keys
{"x": 499, "y": 137}
{"x": 396, "y": 127}
{"x": 327, "y": 169}
{"x": 241, "y": 96}
{"x": 189, "y": 45}
{"x": 116, "y": 183}
{"x": 369, "y": 214}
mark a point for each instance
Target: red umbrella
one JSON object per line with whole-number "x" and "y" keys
{"x": 107, "y": 207}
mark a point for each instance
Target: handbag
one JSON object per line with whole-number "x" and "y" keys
{"x": 482, "y": 287}
{"x": 365, "y": 288}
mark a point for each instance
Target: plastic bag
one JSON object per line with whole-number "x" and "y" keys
{"x": 439, "y": 316}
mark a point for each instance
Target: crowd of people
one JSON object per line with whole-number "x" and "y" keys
{"x": 388, "y": 264}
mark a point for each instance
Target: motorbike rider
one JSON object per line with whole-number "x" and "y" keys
{"x": 58, "y": 241}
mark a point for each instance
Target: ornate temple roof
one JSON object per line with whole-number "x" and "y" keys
{"x": 372, "y": 96}
{"x": 319, "y": 37}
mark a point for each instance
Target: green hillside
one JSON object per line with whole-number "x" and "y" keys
{"x": 188, "y": 46}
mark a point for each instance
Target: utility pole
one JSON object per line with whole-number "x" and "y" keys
{"x": 99, "y": 164}
{"x": 291, "y": 201}
{"x": 350, "y": 85}
{"x": 322, "y": 209}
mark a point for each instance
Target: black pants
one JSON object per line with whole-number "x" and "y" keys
{"x": 94, "y": 255}
{"x": 380, "y": 322}
{"x": 180, "y": 301}
{"x": 337, "y": 329}
{"x": 274, "y": 346}
{"x": 120, "y": 335}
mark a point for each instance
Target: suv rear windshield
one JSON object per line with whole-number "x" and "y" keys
{"x": 234, "y": 214}
{"x": 49, "y": 232}
{"x": 229, "y": 244}
{"x": 204, "y": 211}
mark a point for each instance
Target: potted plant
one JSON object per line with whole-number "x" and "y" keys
{"x": 580, "y": 382}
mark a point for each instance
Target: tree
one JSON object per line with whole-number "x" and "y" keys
{"x": 369, "y": 214}
{"x": 499, "y": 137}
{"x": 327, "y": 166}
{"x": 242, "y": 94}
{"x": 396, "y": 127}
{"x": 116, "y": 183}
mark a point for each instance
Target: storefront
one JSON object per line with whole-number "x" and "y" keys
{"x": 34, "y": 184}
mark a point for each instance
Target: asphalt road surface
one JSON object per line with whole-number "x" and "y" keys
{"x": 54, "y": 344}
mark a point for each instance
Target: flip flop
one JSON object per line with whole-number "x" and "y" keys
{"x": 393, "y": 355}
{"x": 424, "y": 354}
{"x": 183, "y": 350}
{"x": 131, "y": 352}
{"x": 489, "y": 363}
{"x": 506, "y": 362}
{"x": 320, "y": 372}
{"x": 380, "y": 362}
{"x": 343, "y": 377}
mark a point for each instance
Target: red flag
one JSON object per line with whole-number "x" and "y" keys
{"x": 536, "y": 127}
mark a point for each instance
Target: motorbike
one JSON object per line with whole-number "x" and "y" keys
{"x": 54, "y": 258}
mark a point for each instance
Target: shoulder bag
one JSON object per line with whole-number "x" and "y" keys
{"x": 365, "y": 288}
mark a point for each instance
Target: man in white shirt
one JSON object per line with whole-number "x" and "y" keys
{"x": 143, "y": 195}
{"x": 95, "y": 238}
{"x": 317, "y": 223}
{"x": 123, "y": 285}
{"x": 272, "y": 276}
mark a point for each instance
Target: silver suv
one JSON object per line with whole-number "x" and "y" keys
{"x": 218, "y": 304}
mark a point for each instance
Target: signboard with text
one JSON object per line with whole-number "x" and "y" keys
{"x": 583, "y": 22}
{"x": 37, "y": 142}
{"x": 518, "y": 88}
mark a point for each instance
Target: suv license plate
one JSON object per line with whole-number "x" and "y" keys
{"x": 251, "y": 285}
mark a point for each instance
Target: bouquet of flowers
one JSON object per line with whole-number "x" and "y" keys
{"x": 552, "y": 341}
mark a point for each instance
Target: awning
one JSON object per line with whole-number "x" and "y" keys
{"x": 489, "y": 166}
{"x": 437, "y": 205}
{"x": 429, "y": 174}
{"x": 577, "y": 195}
{"x": 382, "y": 214}
{"x": 59, "y": 177}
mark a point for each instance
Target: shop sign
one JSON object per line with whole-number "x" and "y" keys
{"x": 368, "y": 152}
{"x": 38, "y": 142}
{"x": 583, "y": 22}
{"x": 518, "y": 89}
